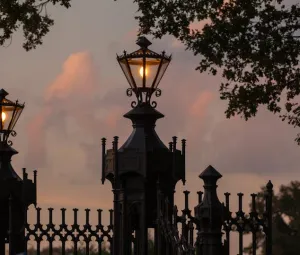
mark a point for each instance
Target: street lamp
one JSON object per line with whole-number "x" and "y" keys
{"x": 144, "y": 69}
{"x": 143, "y": 163}
{"x": 16, "y": 194}
{"x": 9, "y": 114}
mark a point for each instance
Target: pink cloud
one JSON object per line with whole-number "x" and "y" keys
{"x": 77, "y": 78}
{"x": 70, "y": 95}
{"x": 199, "y": 107}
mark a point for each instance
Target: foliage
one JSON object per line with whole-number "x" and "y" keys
{"x": 286, "y": 220}
{"x": 255, "y": 45}
{"x": 29, "y": 15}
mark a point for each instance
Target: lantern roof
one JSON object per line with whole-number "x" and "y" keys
{"x": 143, "y": 42}
{"x": 3, "y": 94}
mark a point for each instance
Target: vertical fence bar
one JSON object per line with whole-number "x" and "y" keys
{"x": 254, "y": 230}
{"x": 26, "y": 225}
{"x": 269, "y": 201}
{"x": 103, "y": 159}
{"x": 25, "y": 177}
{"x": 51, "y": 245}
{"x": 35, "y": 183}
{"x": 99, "y": 226}
{"x": 227, "y": 229}
{"x": 116, "y": 236}
{"x": 111, "y": 226}
{"x": 62, "y": 227}
{"x": 39, "y": 226}
{"x": 74, "y": 227}
{"x": 240, "y": 229}
{"x": 87, "y": 227}
{"x": 183, "y": 148}
{"x": 186, "y": 211}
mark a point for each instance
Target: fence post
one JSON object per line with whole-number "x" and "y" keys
{"x": 209, "y": 215}
{"x": 269, "y": 202}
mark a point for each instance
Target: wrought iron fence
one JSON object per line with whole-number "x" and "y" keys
{"x": 183, "y": 241}
{"x": 185, "y": 234}
{"x": 74, "y": 233}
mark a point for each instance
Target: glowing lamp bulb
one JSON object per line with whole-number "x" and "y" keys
{"x": 3, "y": 116}
{"x": 142, "y": 72}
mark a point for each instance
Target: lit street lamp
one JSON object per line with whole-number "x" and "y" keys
{"x": 16, "y": 194}
{"x": 143, "y": 163}
{"x": 144, "y": 69}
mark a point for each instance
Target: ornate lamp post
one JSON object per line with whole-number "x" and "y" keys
{"x": 143, "y": 163}
{"x": 15, "y": 194}
{"x": 144, "y": 69}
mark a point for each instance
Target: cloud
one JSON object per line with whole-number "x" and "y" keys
{"x": 76, "y": 79}
{"x": 72, "y": 121}
{"x": 198, "y": 108}
{"x": 70, "y": 95}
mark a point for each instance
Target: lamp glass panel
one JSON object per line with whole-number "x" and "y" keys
{"x": 163, "y": 68}
{"x": 9, "y": 116}
{"x": 15, "y": 117}
{"x": 126, "y": 70}
{"x": 137, "y": 69}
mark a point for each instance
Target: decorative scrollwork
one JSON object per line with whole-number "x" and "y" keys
{"x": 69, "y": 233}
{"x": 9, "y": 142}
{"x": 133, "y": 104}
{"x": 13, "y": 133}
{"x": 158, "y": 92}
{"x": 143, "y": 96}
{"x": 129, "y": 92}
{"x": 154, "y": 104}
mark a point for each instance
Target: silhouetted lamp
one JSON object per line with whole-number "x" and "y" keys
{"x": 143, "y": 69}
{"x": 15, "y": 194}
{"x": 10, "y": 113}
{"x": 143, "y": 163}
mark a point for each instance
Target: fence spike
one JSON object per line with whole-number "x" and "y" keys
{"x": 50, "y": 210}
{"x": 63, "y": 216}
{"x": 253, "y": 203}
{"x": 99, "y": 216}
{"x": 75, "y": 210}
{"x": 87, "y": 216}
{"x": 227, "y": 195}
{"x": 240, "y": 195}
{"x": 200, "y": 194}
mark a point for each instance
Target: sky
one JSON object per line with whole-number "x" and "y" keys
{"x": 74, "y": 91}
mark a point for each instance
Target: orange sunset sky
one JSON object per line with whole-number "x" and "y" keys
{"x": 75, "y": 94}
